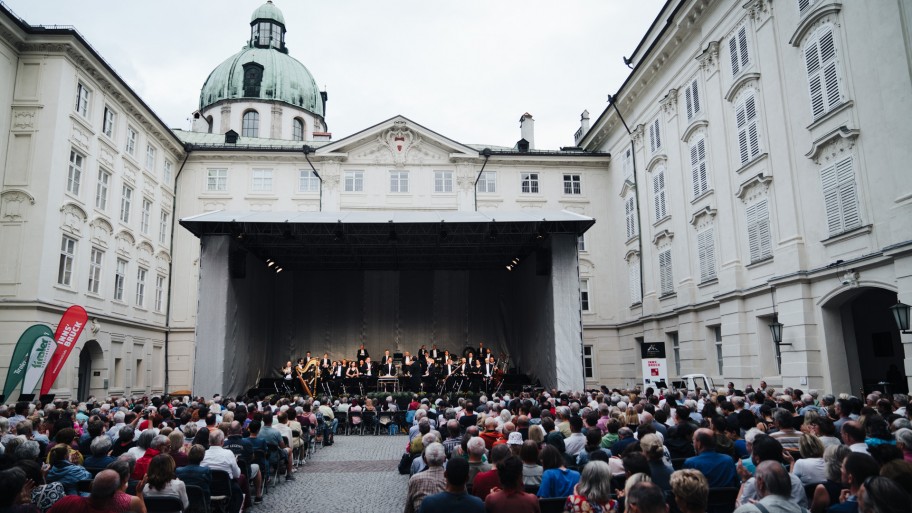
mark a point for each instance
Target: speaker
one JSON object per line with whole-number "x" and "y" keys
{"x": 237, "y": 264}
{"x": 543, "y": 261}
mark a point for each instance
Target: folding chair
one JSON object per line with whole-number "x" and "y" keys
{"x": 552, "y": 504}
{"x": 84, "y": 486}
{"x": 298, "y": 447}
{"x": 163, "y": 504}
{"x": 369, "y": 421}
{"x": 259, "y": 457}
{"x": 277, "y": 465}
{"x": 352, "y": 426}
{"x": 199, "y": 502}
{"x": 342, "y": 417}
{"x": 721, "y": 500}
{"x": 220, "y": 491}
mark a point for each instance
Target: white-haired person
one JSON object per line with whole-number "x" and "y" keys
{"x": 593, "y": 492}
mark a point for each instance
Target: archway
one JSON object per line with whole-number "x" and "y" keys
{"x": 864, "y": 348}
{"x": 91, "y": 364}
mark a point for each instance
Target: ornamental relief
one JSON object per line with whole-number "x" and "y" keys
{"x": 24, "y": 118}
{"x": 72, "y": 218}
{"x": 145, "y": 252}
{"x": 835, "y": 150}
{"x": 754, "y": 188}
{"x": 100, "y": 232}
{"x": 709, "y": 59}
{"x": 14, "y": 206}
{"x": 124, "y": 244}
{"x": 80, "y": 137}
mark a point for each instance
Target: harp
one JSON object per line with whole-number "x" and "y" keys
{"x": 309, "y": 376}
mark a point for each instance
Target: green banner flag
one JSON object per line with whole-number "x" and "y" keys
{"x": 19, "y": 361}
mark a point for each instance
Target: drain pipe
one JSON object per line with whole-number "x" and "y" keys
{"x": 307, "y": 149}
{"x": 187, "y": 148}
{"x": 612, "y": 101}
{"x": 487, "y": 154}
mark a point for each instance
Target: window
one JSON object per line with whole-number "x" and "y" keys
{"x": 676, "y": 350}
{"x": 141, "y": 286}
{"x": 308, "y": 181}
{"x": 717, "y": 332}
{"x": 443, "y": 181}
{"x": 530, "y": 183}
{"x": 630, "y": 216}
{"x": 163, "y": 227}
{"x": 166, "y": 172}
{"x": 839, "y": 196}
{"x": 587, "y": 361}
{"x": 572, "y": 184}
{"x": 487, "y": 182}
{"x": 655, "y": 136}
{"x": 658, "y": 193}
{"x": 748, "y": 128}
{"x": 126, "y": 200}
{"x": 778, "y": 347}
{"x": 758, "y": 231}
{"x": 262, "y": 180}
{"x": 666, "y": 276}
{"x": 628, "y": 164}
{"x": 297, "y": 129}
{"x": 101, "y": 189}
{"x": 150, "y": 157}
{"x": 737, "y": 49}
{"x": 67, "y": 255}
{"x": 633, "y": 281}
{"x": 692, "y": 99}
{"x": 399, "y": 181}
{"x": 250, "y": 124}
{"x": 584, "y": 294}
{"x": 107, "y": 125}
{"x": 823, "y": 79}
{"x": 120, "y": 278}
{"x": 706, "y": 254}
{"x": 145, "y": 216}
{"x": 217, "y": 180}
{"x": 698, "y": 174}
{"x": 82, "y": 99}
{"x": 74, "y": 173}
{"x": 581, "y": 243}
{"x": 354, "y": 181}
{"x": 95, "y": 270}
{"x": 159, "y": 293}
{"x": 130, "y": 147}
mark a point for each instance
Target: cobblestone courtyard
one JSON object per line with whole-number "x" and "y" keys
{"x": 357, "y": 474}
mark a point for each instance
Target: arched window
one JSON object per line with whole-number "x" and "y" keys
{"x": 297, "y": 129}
{"x": 250, "y": 126}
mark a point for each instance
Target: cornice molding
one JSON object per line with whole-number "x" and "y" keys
{"x": 810, "y": 20}
{"x": 741, "y": 82}
{"x": 842, "y": 132}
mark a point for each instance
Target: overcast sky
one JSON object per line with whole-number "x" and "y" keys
{"x": 467, "y": 69}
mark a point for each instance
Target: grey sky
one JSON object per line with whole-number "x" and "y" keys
{"x": 467, "y": 69}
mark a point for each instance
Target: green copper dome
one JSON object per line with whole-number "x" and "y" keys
{"x": 268, "y": 11}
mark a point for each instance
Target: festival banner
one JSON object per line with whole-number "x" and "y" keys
{"x": 68, "y": 331}
{"x": 19, "y": 361}
{"x": 37, "y": 362}
{"x": 655, "y": 365}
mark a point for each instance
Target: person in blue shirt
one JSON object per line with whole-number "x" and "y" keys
{"x": 557, "y": 480}
{"x": 719, "y": 469}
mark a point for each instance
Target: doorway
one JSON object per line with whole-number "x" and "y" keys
{"x": 91, "y": 364}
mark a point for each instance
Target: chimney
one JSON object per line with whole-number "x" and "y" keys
{"x": 527, "y": 129}
{"x": 584, "y": 126}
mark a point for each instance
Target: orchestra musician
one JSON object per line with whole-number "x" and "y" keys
{"x": 352, "y": 371}
{"x": 386, "y": 358}
{"x": 429, "y": 374}
{"x": 446, "y": 357}
{"x": 470, "y": 359}
{"x": 287, "y": 370}
{"x": 422, "y": 352}
{"x": 325, "y": 363}
{"x": 407, "y": 359}
{"x": 388, "y": 368}
{"x": 481, "y": 349}
{"x": 369, "y": 372}
{"x": 489, "y": 368}
{"x": 435, "y": 353}
{"x": 362, "y": 353}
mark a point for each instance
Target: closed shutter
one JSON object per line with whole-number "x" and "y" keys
{"x": 733, "y": 53}
{"x": 840, "y": 197}
{"x": 698, "y": 166}
{"x": 655, "y": 137}
{"x": 633, "y": 280}
{"x": 658, "y": 190}
{"x": 692, "y": 99}
{"x": 758, "y": 231}
{"x": 666, "y": 277}
{"x": 823, "y": 79}
{"x": 628, "y": 164}
{"x": 737, "y": 49}
{"x": 748, "y": 129}
{"x": 706, "y": 254}
{"x": 630, "y": 216}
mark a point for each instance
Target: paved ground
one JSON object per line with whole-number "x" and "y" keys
{"x": 357, "y": 474}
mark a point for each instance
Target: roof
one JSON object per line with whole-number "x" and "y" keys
{"x": 400, "y": 239}
{"x": 268, "y": 11}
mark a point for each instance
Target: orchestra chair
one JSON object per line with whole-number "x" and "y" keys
{"x": 163, "y": 504}
{"x": 199, "y": 502}
{"x": 219, "y": 491}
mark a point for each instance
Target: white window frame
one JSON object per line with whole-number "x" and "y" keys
{"x": 666, "y": 272}
{"x": 588, "y": 362}
{"x": 141, "y": 273}
{"x": 759, "y": 230}
{"x": 216, "y": 180}
{"x": 655, "y": 136}
{"x": 706, "y": 254}
{"x": 102, "y": 187}
{"x": 74, "y": 172}
{"x": 581, "y": 243}
{"x": 692, "y": 102}
{"x": 166, "y": 172}
{"x": 261, "y": 180}
{"x": 699, "y": 172}
{"x": 159, "y": 293}
{"x": 145, "y": 216}
{"x": 747, "y": 121}
{"x": 840, "y": 196}
{"x": 354, "y": 181}
{"x": 108, "y": 121}
{"x": 150, "y": 157}
{"x": 739, "y": 50}
{"x": 487, "y": 182}
{"x": 120, "y": 279}
{"x": 130, "y": 145}
{"x": 83, "y": 96}
{"x": 96, "y": 261}
{"x": 67, "y": 258}
{"x": 399, "y": 182}
{"x": 822, "y": 64}
{"x": 297, "y": 129}
{"x": 250, "y": 127}
{"x": 659, "y": 196}
{"x": 585, "y": 295}
{"x": 630, "y": 216}
{"x": 529, "y": 183}
{"x": 628, "y": 164}
{"x": 573, "y": 184}
{"x": 676, "y": 351}
{"x": 308, "y": 181}
{"x": 126, "y": 203}
{"x": 443, "y": 182}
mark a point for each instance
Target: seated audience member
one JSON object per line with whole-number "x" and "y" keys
{"x": 810, "y": 468}
{"x": 532, "y": 469}
{"x": 856, "y": 468}
{"x": 43, "y": 495}
{"x": 64, "y": 472}
{"x": 557, "y": 480}
{"x": 484, "y": 482}
{"x": 766, "y": 448}
{"x": 593, "y": 492}
{"x": 691, "y": 490}
{"x": 161, "y": 481}
{"x": 194, "y": 474}
{"x": 883, "y": 495}
{"x": 645, "y": 497}
{"x": 176, "y": 449}
{"x": 126, "y": 502}
{"x": 219, "y": 458}
{"x": 719, "y": 469}
{"x": 429, "y": 482}
{"x": 454, "y": 498}
{"x": 903, "y": 438}
{"x": 476, "y": 450}
{"x": 106, "y": 496}
{"x": 773, "y": 489}
{"x": 593, "y": 444}
{"x": 158, "y": 445}
{"x": 100, "y": 447}
{"x": 827, "y": 493}
{"x": 511, "y": 498}
{"x": 659, "y": 470}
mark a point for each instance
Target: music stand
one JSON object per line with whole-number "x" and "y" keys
{"x": 27, "y": 397}
{"x": 46, "y": 398}
{"x": 398, "y": 358}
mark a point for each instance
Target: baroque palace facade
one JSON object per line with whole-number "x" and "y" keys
{"x": 750, "y": 170}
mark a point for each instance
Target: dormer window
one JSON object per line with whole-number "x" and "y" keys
{"x": 253, "y": 76}
{"x": 267, "y": 34}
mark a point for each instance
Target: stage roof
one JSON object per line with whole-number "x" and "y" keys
{"x": 390, "y": 239}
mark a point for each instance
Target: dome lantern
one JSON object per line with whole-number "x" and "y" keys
{"x": 267, "y": 28}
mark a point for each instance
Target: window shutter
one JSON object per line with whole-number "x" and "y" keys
{"x": 698, "y": 167}
{"x": 665, "y": 275}
{"x": 828, "y": 62}
{"x": 689, "y": 102}
{"x": 758, "y": 231}
{"x": 696, "y": 96}
{"x": 694, "y": 169}
{"x": 630, "y": 216}
{"x": 658, "y": 189}
{"x": 753, "y": 134}
{"x": 815, "y": 83}
{"x": 652, "y": 139}
{"x": 741, "y": 119}
{"x": 847, "y": 195}
{"x": 742, "y": 46}
{"x": 706, "y": 255}
{"x": 628, "y": 164}
{"x": 803, "y": 5}
{"x": 704, "y": 176}
{"x": 831, "y": 199}
{"x": 658, "y": 134}
{"x": 733, "y": 52}
{"x": 633, "y": 280}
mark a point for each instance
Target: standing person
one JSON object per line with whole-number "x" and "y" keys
{"x": 593, "y": 492}
{"x": 557, "y": 479}
{"x": 362, "y": 353}
{"x": 511, "y": 498}
{"x": 454, "y": 498}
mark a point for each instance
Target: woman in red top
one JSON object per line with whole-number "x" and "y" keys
{"x": 593, "y": 492}
{"x": 511, "y": 498}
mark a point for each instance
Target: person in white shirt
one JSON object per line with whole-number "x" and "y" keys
{"x": 219, "y": 458}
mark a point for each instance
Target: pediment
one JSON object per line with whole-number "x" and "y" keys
{"x": 398, "y": 142}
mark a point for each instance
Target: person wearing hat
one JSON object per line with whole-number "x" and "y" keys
{"x": 514, "y": 442}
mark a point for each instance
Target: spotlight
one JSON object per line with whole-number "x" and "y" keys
{"x": 270, "y": 263}
{"x": 278, "y": 270}
{"x": 509, "y": 267}
{"x": 516, "y": 261}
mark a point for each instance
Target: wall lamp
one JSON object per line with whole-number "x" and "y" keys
{"x": 900, "y": 313}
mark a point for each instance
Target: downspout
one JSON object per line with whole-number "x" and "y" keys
{"x": 187, "y": 148}
{"x": 307, "y": 151}
{"x": 487, "y": 154}
{"x": 612, "y": 101}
